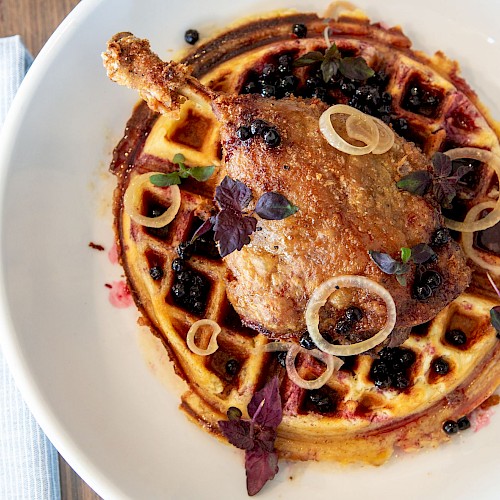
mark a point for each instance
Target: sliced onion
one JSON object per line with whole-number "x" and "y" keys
{"x": 318, "y": 300}
{"x": 385, "y": 137}
{"x": 212, "y": 345}
{"x": 326, "y": 36}
{"x": 328, "y": 130}
{"x": 335, "y": 8}
{"x": 493, "y": 217}
{"x": 468, "y": 238}
{"x": 357, "y": 128}
{"x": 133, "y": 198}
{"x": 332, "y": 363}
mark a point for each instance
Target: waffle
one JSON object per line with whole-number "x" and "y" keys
{"x": 351, "y": 418}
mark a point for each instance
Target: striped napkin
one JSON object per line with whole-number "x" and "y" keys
{"x": 29, "y": 467}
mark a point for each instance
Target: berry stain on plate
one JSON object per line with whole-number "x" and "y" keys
{"x": 119, "y": 295}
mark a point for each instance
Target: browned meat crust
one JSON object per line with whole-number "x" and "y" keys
{"x": 348, "y": 204}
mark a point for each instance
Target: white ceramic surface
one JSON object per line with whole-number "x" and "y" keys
{"x": 77, "y": 359}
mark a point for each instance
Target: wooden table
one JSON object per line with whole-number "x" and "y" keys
{"x": 35, "y": 21}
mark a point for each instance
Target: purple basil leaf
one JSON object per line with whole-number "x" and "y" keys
{"x": 309, "y": 58}
{"x": 270, "y": 414}
{"x": 417, "y": 182}
{"x": 232, "y": 194}
{"x": 232, "y": 230}
{"x": 237, "y": 433}
{"x": 442, "y": 165}
{"x": 384, "y": 261}
{"x": 495, "y": 318}
{"x": 421, "y": 253}
{"x": 444, "y": 191}
{"x": 261, "y": 466}
{"x": 204, "y": 228}
{"x": 274, "y": 206}
{"x": 264, "y": 437}
{"x": 355, "y": 68}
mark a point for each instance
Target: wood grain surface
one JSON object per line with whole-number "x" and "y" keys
{"x": 35, "y": 21}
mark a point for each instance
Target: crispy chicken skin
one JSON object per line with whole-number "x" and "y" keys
{"x": 348, "y": 205}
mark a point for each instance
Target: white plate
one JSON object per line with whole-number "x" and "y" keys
{"x": 76, "y": 358}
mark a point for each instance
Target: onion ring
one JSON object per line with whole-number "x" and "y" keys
{"x": 328, "y": 130}
{"x": 493, "y": 161}
{"x": 356, "y": 129}
{"x": 318, "y": 300}
{"x": 212, "y": 345}
{"x": 133, "y": 198}
{"x": 467, "y": 238}
{"x": 332, "y": 363}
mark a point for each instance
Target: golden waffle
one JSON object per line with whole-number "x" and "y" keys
{"x": 351, "y": 418}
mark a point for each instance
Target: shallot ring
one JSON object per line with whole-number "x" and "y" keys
{"x": 468, "y": 238}
{"x": 133, "y": 197}
{"x": 318, "y": 300}
{"x": 331, "y": 135}
{"x": 493, "y": 217}
{"x": 212, "y": 345}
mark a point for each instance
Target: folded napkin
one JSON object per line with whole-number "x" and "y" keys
{"x": 29, "y": 467}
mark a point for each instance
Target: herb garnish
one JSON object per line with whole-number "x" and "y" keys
{"x": 232, "y": 226}
{"x": 199, "y": 173}
{"x": 419, "y": 254}
{"x": 443, "y": 180}
{"x": 332, "y": 62}
{"x": 257, "y": 435}
{"x": 495, "y": 311}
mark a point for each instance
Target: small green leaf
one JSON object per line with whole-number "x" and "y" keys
{"x": 401, "y": 279}
{"x": 201, "y": 174}
{"x": 309, "y": 58}
{"x": 333, "y": 53}
{"x": 405, "y": 254}
{"x": 178, "y": 158}
{"x": 329, "y": 69}
{"x": 355, "y": 68}
{"x": 495, "y": 318}
{"x": 163, "y": 180}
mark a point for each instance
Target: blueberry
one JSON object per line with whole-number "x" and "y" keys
{"x": 156, "y": 272}
{"x": 353, "y": 313}
{"x": 183, "y": 250}
{"x": 440, "y": 366}
{"x": 306, "y": 341}
{"x": 272, "y": 137}
{"x": 380, "y": 374}
{"x": 455, "y": 337}
{"x": 257, "y": 127}
{"x": 250, "y": 88}
{"x": 232, "y": 367}
{"x": 407, "y": 357}
{"x": 322, "y": 401}
{"x": 463, "y": 423}
{"x": 343, "y": 326}
{"x": 386, "y": 97}
{"x": 268, "y": 90}
{"x": 287, "y": 83}
{"x": 178, "y": 265}
{"x": 299, "y": 30}
{"x": 319, "y": 93}
{"x": 267, "y": 74}
{"x": 178, "y": 290}
{"x": 422, "y": 292}
{"x": 440, "y": 237}
{"x": 348, "y": 88}
{"x": 400, "y": 381}
{"x": 312, "y": 82}
{"x": 282, "y": 358}
{"x": 243, "y": 133}
{"x": 432, "y": 279}
{"x": 401, "y": 125}
{"x": 450, "y": 427}
{"x": 191, "y": 36}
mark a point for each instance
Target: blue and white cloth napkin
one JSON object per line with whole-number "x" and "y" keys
{"x": 29, "y": 467}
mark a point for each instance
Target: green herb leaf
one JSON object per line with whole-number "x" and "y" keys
{"x": 201, "y": 174}
{"x": 178, "y": 158}
{"x": 401, "y": 279}
{"x": 329, "y": 69}
{"x": 163, "y": 180}
{"x": 355, "y": 68}
{"x": 308, "y": 59}
{"x": 416, "y": 182}
{"x": 405, "y": 254}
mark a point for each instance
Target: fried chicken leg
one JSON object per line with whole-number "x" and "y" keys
{"x": 348, "y": 205}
